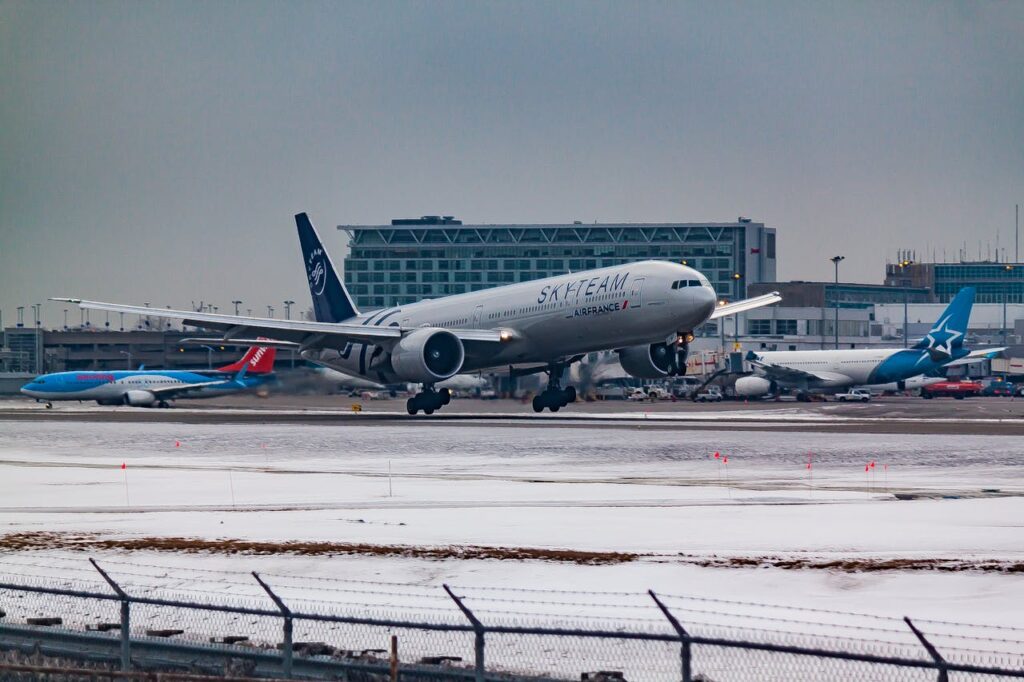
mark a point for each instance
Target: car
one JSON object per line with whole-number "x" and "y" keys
{"x": 861, "y": 395}
{"x": 710, "y": 394}
{"x": 951, "y": 389}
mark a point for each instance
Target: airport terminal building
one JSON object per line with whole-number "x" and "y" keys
{"x": 413, "y": 259}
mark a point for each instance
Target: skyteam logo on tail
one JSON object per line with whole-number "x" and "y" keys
{"x": 317, "y": 271}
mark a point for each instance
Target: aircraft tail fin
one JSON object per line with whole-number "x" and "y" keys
{"x": 948, "y": 332}
{"x": 331, "y": 302}
{"x": 257, "y": 360}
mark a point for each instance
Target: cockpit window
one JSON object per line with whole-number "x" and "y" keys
{"x": 682, "y": 283}
{"x": 692, "y": 283}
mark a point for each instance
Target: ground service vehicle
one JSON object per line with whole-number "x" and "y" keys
{"x": 952, "y": 389}
{"x": 711, "y": 394}
{"x": 862, "y": 395}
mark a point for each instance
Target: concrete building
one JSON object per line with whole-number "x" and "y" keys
{"x": 433, "y": 256}
{"x": 38, "y": 351}
{"x": 799, "y": 294}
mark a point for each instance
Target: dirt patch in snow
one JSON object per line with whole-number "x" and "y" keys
{"x": 80, "y": 541}
{"x": 858, "y": 564}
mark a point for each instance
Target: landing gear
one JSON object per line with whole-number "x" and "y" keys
{"x": 428, "y": 400}
{"x": 49, "y": 405}
{"x": 554, "y": 397}
{"x": 163, "y": 404}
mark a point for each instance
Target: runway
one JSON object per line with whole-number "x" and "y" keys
{"x": 493, "y": 500}
{"x": 895, "y": 415}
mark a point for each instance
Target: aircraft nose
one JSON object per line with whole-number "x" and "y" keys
{"x": 28, "y": 391}
{"x": 707, "y": 300}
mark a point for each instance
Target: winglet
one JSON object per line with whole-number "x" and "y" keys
{"x": 241, "y": 373}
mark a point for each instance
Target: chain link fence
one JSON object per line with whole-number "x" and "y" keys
{"x": 134, "y": 617}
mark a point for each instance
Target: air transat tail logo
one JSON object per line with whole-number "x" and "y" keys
{"x": 941, "y": 338}
{"x": 316, "y": 271}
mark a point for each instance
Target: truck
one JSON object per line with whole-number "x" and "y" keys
{"x": 951, "y": 389}
{"x": 861, "y": 395}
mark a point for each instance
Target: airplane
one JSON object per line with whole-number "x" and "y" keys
{"x": 806, "y": 371}
{"x": 154, "y": 387}
{"x": 646, "y": 311}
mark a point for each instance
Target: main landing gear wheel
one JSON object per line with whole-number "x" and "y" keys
{"x": 428, "y": 400}
{"x": 554, "y": 398}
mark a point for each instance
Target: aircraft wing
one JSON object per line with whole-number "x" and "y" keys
{"x": 171, "y": 391}
{"x": 745, "y": 305}
{"x": 302, "y": 332}
{"x": 976, "y": 356}
{"x": 791, "y": 374}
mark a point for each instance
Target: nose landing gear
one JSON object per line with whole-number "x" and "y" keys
{"x": 428, "y": 400}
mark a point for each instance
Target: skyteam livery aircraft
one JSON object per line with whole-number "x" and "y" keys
{"x": 146, "y": 388}
{"x": 646, "y": 311}
{"x": 818, "y": 370}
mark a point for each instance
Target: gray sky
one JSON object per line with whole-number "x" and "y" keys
{"x": 156, "y": 151}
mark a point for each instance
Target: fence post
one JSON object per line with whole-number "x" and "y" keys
{"x": 126, "y": 640}
{"x": 685, "y": 654}
{"x": 478, "y": 628}
{"x": 940, "y": 662}
{"x": 286, "y": 660}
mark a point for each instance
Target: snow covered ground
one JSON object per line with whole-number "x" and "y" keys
{"x": 661, "y": 495}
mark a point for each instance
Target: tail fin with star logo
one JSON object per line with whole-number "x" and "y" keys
{"x": 331, "y": 302}
{"x": 948, "y": 332}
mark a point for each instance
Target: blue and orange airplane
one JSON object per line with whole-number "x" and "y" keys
{"x": 149, "y": 388}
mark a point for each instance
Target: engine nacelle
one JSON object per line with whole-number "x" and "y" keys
{"x": 751, "y": 387}
{"x": 653, "y": 361}
{"x": 139, "y": 398}
{"x": 426, "y": 356}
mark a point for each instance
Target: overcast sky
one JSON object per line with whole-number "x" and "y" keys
{"x": 157, "y": 151}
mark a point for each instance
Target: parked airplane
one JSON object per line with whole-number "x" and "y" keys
{"x": 146, "y": 388}
{"x": 646, "y": 310}
{"x": 807, "y": 371}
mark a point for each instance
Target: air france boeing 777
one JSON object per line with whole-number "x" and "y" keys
{"x": 647, "y": 311}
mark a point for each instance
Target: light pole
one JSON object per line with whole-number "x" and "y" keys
{"x": 835, "y": 294}
{"x": 903, "y": 264}
{"x": 236, "y": 304}
{"x": 122, "y": 321}
{"x": 129, "y": 354}
{"x": 36, "y": 308}
{"x": 270, "y": 311}
{"x": 65, "y": 319}
{"x": 288, "y": 309}
{"x": 1006, "y": 294}
{"x": 21, "y": 316}
{"x": 209, "y": 357}
{"x": 736, "y": 277}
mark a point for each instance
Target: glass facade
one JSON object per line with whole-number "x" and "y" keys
{"x": 994, "y": 282}
{"x": 391, "y": 265}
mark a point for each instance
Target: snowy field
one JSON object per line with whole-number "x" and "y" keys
{"x": 763, "y": 528}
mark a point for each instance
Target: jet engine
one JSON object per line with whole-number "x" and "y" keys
{"x": 654, "y": 361}
{"x": 139, "y": 398}
{"x": 751, "y": 387}
{"x": 427, "y": 355}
